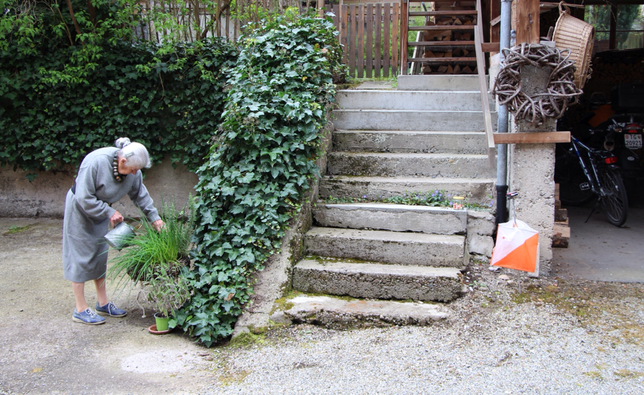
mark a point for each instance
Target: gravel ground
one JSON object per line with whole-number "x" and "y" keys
{"x": 536, "y": 336}
{"x": 553, "y": 337}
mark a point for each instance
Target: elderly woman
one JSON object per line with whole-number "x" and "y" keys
{"x": 105, "y": 176}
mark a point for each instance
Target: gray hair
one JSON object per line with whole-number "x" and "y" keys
{"x": 136, "y": 154}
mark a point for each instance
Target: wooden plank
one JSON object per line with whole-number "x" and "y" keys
{"x": 490, "y": 47}
{"x": 369, "y": 48}
{"x": 360, "y": 18}
{"x": 396, "y": 23}
{"x": 525, "y": 21}
{"x": 560, "y": 235}
{"x": 387, "y": 49}
{"x": 532, "y": 138}
{"x": 378, "y": 41}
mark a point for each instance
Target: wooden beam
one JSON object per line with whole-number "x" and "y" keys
{"x": 490, "y": 47}
{"x": 532, "y": 138}
{"x": 525, "y": 21}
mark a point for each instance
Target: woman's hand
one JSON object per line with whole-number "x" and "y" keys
{"x": 116, "y": 219}
{"x": 158, "y": 225}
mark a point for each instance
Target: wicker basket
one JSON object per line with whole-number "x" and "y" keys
{"x": 578, "y": 37}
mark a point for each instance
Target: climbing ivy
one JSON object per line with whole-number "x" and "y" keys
{"x": 261, "y": 164}
{"x": 173, "y": 111}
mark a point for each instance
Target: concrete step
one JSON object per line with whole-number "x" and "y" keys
{"x": 376, "y": 281}
{"x": 465, "y": 82}
{"x": 391, "y": 217}
{"x": 409, "y": 120}
{"x": 355, "y": 99}
{"x": 479, "y": 191}
{"x": 340, "y": 314}
{"x": 402, "y": 248}
{"x": 409, "y": 164}
{"x": 410, "y": 141}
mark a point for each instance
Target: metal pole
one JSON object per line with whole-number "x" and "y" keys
{"x": 502, "y": 149}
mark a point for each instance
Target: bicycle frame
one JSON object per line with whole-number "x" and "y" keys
{"x": 592, "y": 155}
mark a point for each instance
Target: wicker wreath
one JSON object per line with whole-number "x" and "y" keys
{"x": 560, "y": 92}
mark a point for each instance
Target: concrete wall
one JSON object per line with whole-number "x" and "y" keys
{"x": 45, "y": 196}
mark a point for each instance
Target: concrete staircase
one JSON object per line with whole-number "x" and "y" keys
{"x": 414, "y": 139}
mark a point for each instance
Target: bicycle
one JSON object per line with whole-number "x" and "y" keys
{"x": 592, "y": 175}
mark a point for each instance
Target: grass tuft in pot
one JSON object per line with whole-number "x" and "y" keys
{"x": 156, "y": 258}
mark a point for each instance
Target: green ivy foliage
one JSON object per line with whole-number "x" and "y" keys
{"x": 261, "y": 165}
{"x": 170, "y": 103}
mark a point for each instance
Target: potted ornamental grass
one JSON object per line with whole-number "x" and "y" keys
{"x": 156, "y": 259}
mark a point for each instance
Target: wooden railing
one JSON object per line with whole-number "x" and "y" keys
{"x": 483, "y": 85}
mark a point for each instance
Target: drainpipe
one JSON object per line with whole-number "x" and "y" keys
{"x": 502, "y": 149}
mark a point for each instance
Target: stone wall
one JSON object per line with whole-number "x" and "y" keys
{"x": 45, "y": 196}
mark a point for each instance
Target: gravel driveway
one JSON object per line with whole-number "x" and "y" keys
{"x": 558, "y": 337}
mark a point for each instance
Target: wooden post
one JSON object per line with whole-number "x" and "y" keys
{"x": 612, "y": 37}
{"x": 404, "y": 28}
{"x": 525, "y": 20}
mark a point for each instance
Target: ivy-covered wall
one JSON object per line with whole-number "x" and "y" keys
{"x": 170, "y": 103}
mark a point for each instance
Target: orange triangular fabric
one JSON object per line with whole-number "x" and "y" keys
{"x": 523, "y": 257}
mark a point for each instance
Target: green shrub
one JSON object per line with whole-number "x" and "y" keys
{"x": 260, "y": 166}
{"x": 171, "y": 103}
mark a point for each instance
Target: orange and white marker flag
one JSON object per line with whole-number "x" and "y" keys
{"x": 517, "y": 246}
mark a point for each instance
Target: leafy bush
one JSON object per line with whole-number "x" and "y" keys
{"x": 171, "y": 104}
{"x": 260, "y": 166}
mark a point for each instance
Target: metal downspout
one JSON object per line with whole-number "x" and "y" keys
{"x": 502, "y": 149}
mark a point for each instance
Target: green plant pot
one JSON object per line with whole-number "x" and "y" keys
{"x": 161, "y": 321}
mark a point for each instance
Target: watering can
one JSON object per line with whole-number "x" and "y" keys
{"x": 120, "y": 236}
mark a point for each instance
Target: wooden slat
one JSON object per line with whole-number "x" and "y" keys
{"x": 352, "y": 40}
{"x": 388, "y": 53}
{"x": 441, "y": 27}
{"x": 360, "y": 60}
{"x": 443, "y": 60}
{"x": 397, "y": 21}
{"x": 369, "y": 48}
{"x": 344, "y": 31}
{"x": 378, "y": 41}
{"x": 532, "y": 138}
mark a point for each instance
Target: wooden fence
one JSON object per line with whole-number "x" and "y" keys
{"x": 369, "y": 34}
{"x": 369, "y": 29}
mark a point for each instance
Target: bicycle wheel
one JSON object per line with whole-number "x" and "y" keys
{"x": 574, "y": 189}
{"x": 614, "y": 199}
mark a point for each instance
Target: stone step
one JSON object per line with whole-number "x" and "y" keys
{"x": 464, "y": 82}
{"x": 377, "y": 281}
{"x": 356, "y": 99}
{"x": 340, "y": 314}
{"x": 468, "y": 121}
{"x": 392, "y": 217}
{"x": 409, "y": 164}
{"x": 400, "y": 248}
{"x": 479, "y": 191}
{"x": 410, "y": 141}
